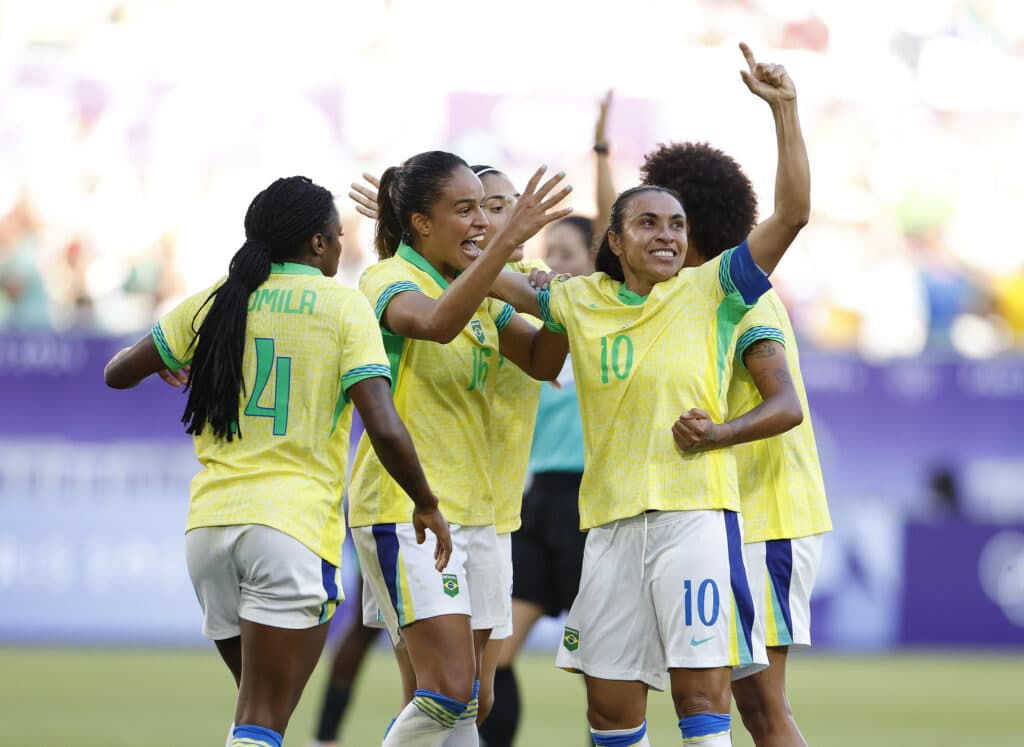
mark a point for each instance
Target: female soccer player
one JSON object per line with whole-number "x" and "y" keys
{"x": 444, "y": 338}
{"x": 782, "y": 494}
{"x": 547, "y": 551}
{"x": 664, "y": 587}
{"x": 513, "y": 413}
{"x": 277, "y": 351}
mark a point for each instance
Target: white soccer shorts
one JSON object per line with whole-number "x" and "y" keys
{"x": 256, "y": 573}
{"x": 660, "y": 591}
{"x": 401, "y": 576}
{"x": 781, "y": 575}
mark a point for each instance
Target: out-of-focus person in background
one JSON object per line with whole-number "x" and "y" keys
{"x": 264, "y": 535}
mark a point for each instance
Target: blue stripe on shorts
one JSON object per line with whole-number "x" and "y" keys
{"x": 742, "y": 600}
{"x": 779, "y": 559}
{"x": 386, "y": 538}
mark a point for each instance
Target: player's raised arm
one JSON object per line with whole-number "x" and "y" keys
{"x": 415, "y": 315}
{"x": 771, "y": 238}
{"x": 605, "y": 184}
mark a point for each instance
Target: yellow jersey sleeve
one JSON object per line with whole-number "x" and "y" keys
{"x": 782, "y": 492}
{"x": 174, "y": 334}
{"x": 363, "y": 354}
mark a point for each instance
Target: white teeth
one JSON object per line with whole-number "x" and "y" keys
{"x": 663, "y": 253}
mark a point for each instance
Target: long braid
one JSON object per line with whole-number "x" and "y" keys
{"x": 279, "y": 221}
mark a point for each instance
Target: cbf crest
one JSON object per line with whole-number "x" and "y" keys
{"x": 450, "y": 582}
{"x": 571, "y": 639}
{"x": 478, "y": 330}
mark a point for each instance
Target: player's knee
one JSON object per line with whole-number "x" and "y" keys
{"x": 698, "y": 701}
{"x": 456, "y": 682}
{"x": 610, "y": 714}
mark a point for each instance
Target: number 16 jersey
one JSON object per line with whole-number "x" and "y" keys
{"x": 639, "y": 363}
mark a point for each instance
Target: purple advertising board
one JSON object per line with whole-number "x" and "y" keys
{"x": 94, "y": 490}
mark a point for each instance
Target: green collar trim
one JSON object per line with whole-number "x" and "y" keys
{"x": 293, "y": 268}
{"x": 630, "y": 298}
{"x": 416, "y": 259}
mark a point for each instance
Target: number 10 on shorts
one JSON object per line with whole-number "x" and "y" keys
{"x": 707, "y": 601}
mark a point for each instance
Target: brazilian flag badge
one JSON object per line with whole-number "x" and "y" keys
{"x": 571, "y": 639}
{"x": 450, "y": 582}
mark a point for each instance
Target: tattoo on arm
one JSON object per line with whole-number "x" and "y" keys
{"x": 762, "y": 349}
{"x": 782, "y": 376}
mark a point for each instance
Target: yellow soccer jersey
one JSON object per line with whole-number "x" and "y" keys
{"x": 781, "y": 489}
{"x": 443, "y": 393}
{"x": 640, "y": 362}
{"x": 307, "y": 340}
{"x": 513, "y": 416}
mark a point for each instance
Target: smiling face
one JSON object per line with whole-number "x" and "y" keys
{"x": 449, "y": 234}
{"x": 652, "y": 244}
{"x": 500, "y": 196}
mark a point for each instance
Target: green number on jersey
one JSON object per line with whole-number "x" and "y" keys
{"x": 619, "y": 367}
{"x": 480, "y": 366}
{"x": 265, "y": 361}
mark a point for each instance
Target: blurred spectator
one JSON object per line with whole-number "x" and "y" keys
{"x": 24, "y": 302}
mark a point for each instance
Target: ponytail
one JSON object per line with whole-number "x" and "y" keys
{"x": 280, "y": 220}
{"x": 411, "y": 188}
{"x": 389, "y": 222}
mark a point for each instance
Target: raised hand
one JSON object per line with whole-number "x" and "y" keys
{"x": 600, "y": 134}
{"x": 533, "y": 210}
{"x": 365, "y": 197}
{"x": 766, "y": 80}
{"x": 433, "y": 519}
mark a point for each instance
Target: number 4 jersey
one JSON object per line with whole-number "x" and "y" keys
{"x": 307, "y": 340}
{"x": 639, "y": 363}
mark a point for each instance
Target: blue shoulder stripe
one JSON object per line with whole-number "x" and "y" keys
{"x": 739, "y": 272}
{"x": 754, "y": 334}
{"x": 390, "y": 292}
{"x": 504, "y": 317}
{"x": 544, "y": 302}
{"x": 365, "y": 372}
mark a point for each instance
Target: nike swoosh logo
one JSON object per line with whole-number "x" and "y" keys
{"x": 695, "y": 642}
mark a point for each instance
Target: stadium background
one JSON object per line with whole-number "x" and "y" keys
{"x": 133, "y": 134}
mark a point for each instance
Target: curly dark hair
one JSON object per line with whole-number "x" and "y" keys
{"x": 719, "y": 200}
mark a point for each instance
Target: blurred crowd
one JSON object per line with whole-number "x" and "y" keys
{"x": 130, "y": 141}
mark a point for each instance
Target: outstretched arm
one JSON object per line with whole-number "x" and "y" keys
{"x": 417, "y": 316}
{"x": 605, "y": 183}
{"x": 539, "y": 352}
{"x": 778, "y": 412}
{"x": 771, "y": 238}
{"x": 394, "y": 447}
{"x": 131, "y": 365}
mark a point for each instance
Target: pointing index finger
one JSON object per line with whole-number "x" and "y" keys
{"x": 748, "y": 56}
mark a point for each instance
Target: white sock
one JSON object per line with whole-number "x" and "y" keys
{"x": 465, "y": 733}
{"x": 426, "y": 722}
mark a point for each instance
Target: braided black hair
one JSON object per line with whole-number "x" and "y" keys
{"x": 280, "y": 219}
{"x": 719, "y": 200}
{"x": 410, "y": 188}
{"x": 607, "y": 261}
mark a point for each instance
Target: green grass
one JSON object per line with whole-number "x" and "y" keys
{"x": 157, "y": 698}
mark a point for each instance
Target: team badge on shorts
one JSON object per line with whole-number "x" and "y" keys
{"x": 478, "y": 330}
{"x": 450, "y": 583}
{"x": 571, "y": 639}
